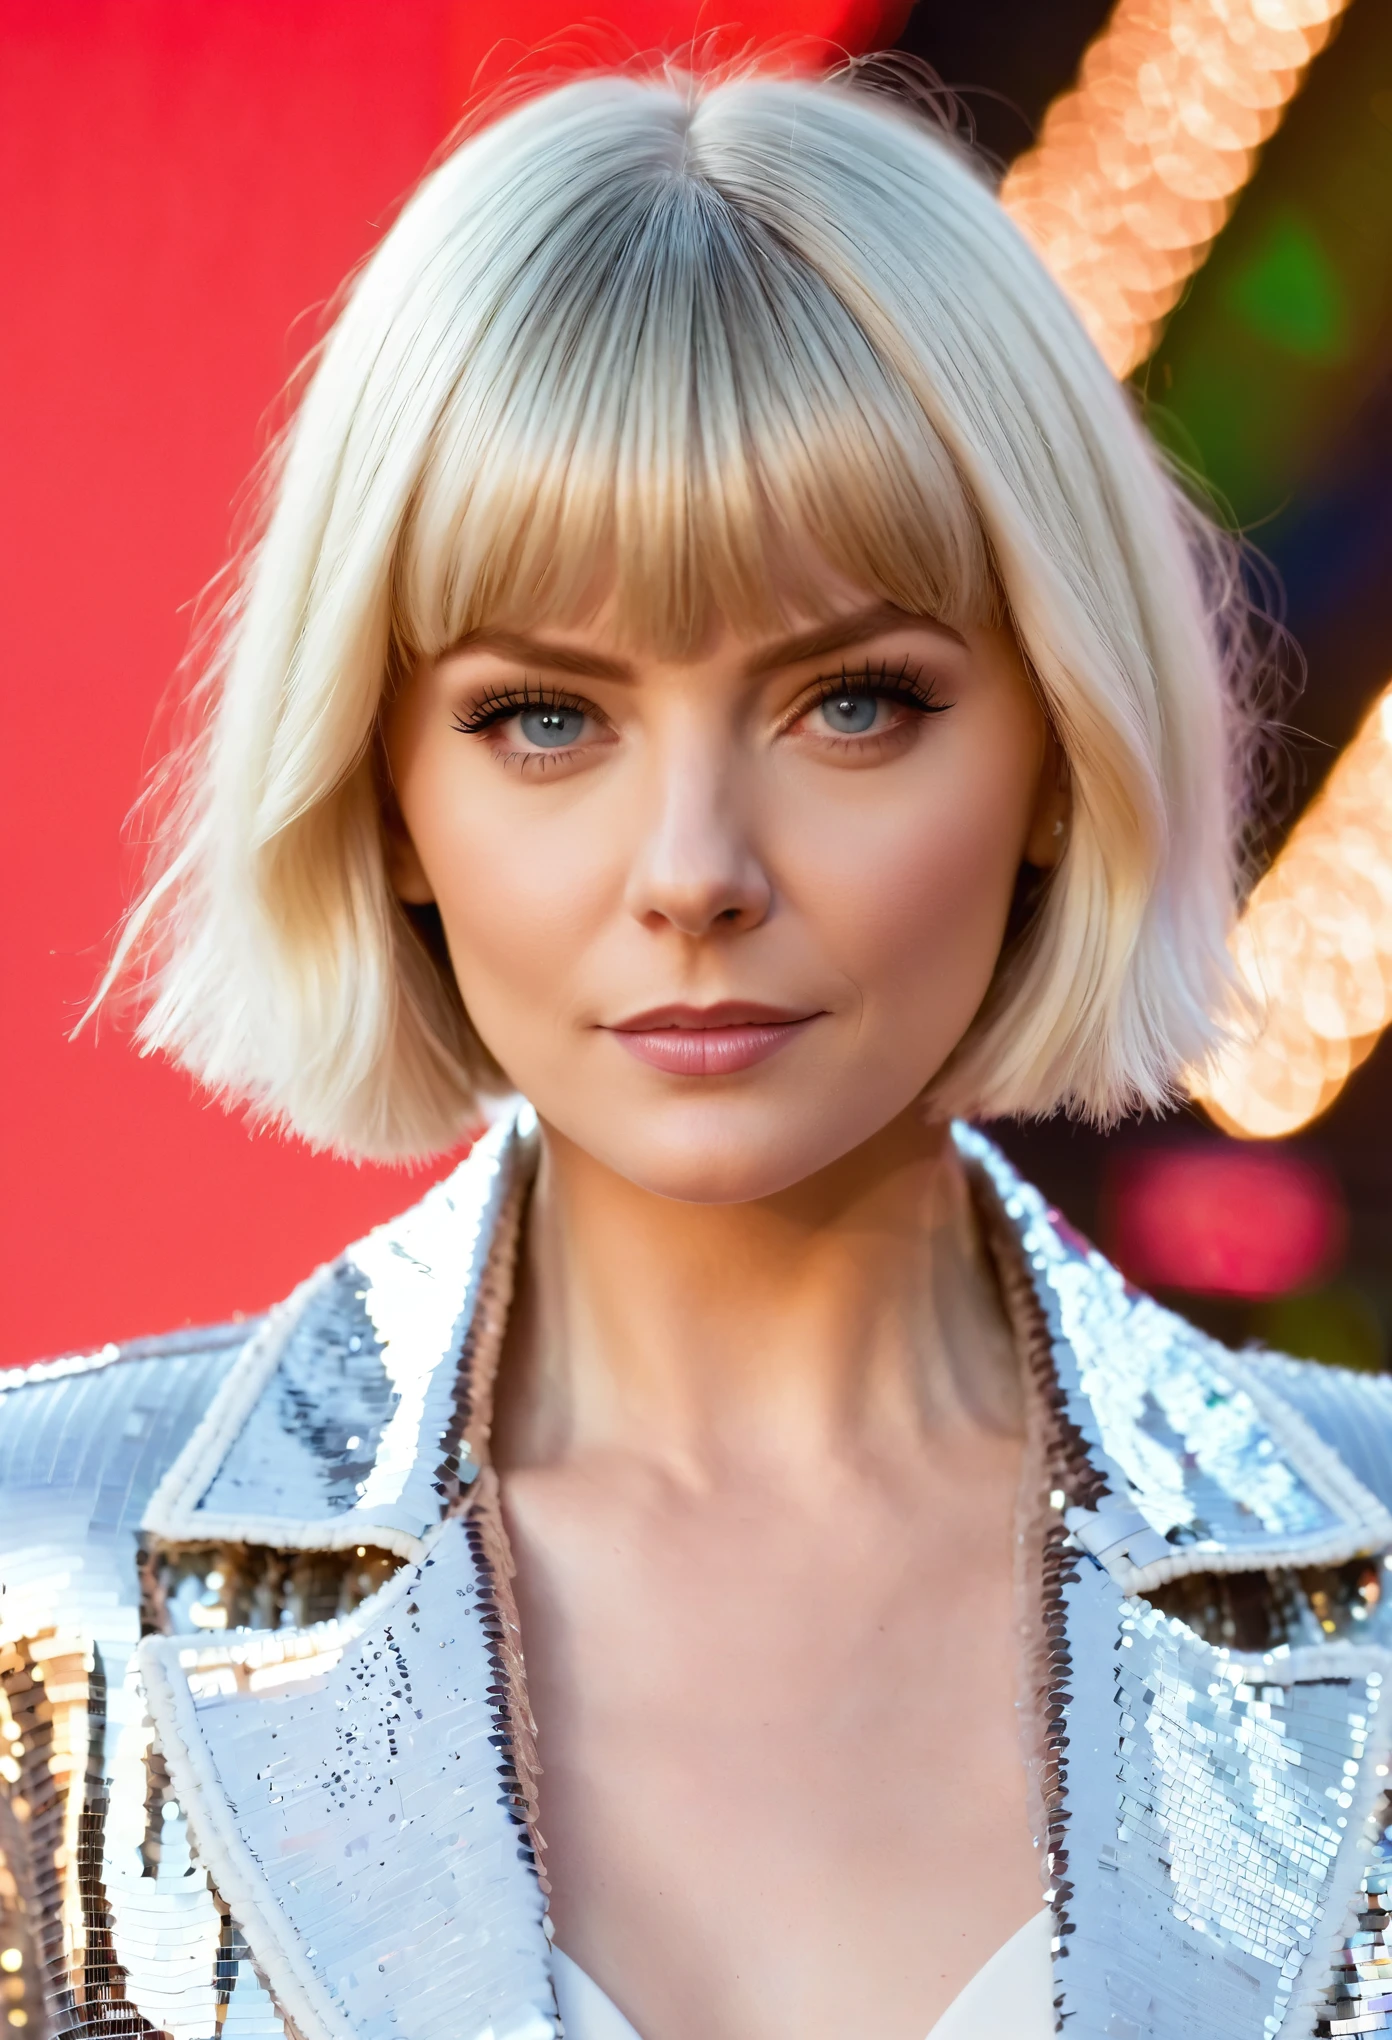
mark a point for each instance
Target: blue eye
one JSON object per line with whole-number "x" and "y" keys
{"x": 850, "y": 715}
{"x": 549, "y": 727}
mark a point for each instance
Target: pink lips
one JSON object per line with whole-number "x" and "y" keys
{"x": 709, "y": 1041}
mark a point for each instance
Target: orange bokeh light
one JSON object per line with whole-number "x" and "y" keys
{"x": 1138, "y": 165}
{"x": 1135, "y": 172}
{"x": 1314, "y": 951}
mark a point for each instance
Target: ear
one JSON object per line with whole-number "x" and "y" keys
{"x": 1053, "y": 807}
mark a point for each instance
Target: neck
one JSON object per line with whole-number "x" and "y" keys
{"x": 853, "y": 1316}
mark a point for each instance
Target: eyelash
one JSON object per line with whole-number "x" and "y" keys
{"x": 900, "y": 684}
{"x": 500, "y": 704}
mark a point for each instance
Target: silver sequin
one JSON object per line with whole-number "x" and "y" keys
{"x": 319, "y": 1802}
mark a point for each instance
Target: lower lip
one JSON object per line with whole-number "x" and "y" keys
{"x": 709, "y": 1051}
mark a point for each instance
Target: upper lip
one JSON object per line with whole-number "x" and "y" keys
{"x": 697, "y": 1019}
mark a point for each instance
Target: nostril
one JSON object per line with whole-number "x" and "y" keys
{"x": 728, "y": 914}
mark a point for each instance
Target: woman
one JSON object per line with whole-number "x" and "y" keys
{"x": 724, "y": 666}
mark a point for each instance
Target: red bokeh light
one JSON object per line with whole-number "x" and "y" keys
{"x": 1219, "y": 1220}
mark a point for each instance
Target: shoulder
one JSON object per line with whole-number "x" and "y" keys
{"x": 85, "y": 1439}
{"x": 1350, "y": 1412}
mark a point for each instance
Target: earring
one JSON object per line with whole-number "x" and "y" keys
{"x": 1058, "y": 828}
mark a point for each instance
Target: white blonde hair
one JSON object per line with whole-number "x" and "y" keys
{"x": 704, "y": 335}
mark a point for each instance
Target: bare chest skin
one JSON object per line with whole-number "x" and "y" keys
{"x": 783, "y": 1788}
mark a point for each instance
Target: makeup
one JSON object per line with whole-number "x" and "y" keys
{"x": 710, "y": 1041}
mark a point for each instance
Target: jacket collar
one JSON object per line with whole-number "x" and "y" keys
{"x": 1181, "y": 1459}
{"x": 361, "y": 1792}
{"x": 347, "y": 1418}
{"x": 1207, "y": 1814}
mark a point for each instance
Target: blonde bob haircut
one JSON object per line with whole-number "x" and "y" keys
{"x": 703, "y": 336}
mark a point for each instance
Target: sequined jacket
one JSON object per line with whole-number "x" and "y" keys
{"x": 268, "y": 1763}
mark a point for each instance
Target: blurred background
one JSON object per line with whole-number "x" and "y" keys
{"x": 183, "y": 185}
{"x": 1273, "y": 379}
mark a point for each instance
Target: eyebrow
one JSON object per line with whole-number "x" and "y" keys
{"x": 843, "y": 632}
{"x": 837, "y": 636}
{"x": 529, "y": 651}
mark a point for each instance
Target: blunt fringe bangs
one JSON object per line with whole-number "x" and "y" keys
{"x": 686, "y": 343}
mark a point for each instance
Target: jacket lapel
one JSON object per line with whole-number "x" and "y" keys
{"x": 1179, "y": 1459}
{"x": 1209, "y": 1813}
{"x": 1212, "y": 1818}
{"x": 362, "y": 1790}
{"x": 354, "y": 1798}
{"x": 346, "y": 1419}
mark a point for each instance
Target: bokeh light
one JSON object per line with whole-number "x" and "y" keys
{"x": 1214, "y": 1220}
{"x": 1135, "y": 172}
{"x": 1315, "y": 951}
{"x": 1138, "y": 166}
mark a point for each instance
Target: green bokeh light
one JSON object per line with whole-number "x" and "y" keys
{"x": 1286, "y": 331}
{"x": 1289, "y": 293}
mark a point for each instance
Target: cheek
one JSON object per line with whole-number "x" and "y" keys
{"x": 912, "y": 890}
{"x": 523, "y": 887}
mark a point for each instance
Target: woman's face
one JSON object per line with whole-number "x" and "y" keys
{"x": 722, "y": 919}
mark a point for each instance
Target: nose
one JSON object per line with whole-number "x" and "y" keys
{"x": 697, "y": 869}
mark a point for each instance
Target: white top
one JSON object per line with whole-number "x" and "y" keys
{"x": 1010, "y": 1998}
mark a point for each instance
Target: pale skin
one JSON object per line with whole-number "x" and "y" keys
{"x": 759, "y": 1419}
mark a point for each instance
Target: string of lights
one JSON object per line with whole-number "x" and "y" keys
{"x": 1315, "y": 951}
{"x": 1138, "y": 165}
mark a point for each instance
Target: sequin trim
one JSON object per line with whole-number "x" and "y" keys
{"x": 1358, "y": 1997}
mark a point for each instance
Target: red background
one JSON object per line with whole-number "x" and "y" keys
{"x": 180, "y": 183}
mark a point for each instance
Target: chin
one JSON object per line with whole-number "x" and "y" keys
{"x": 709, "y": 1152}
